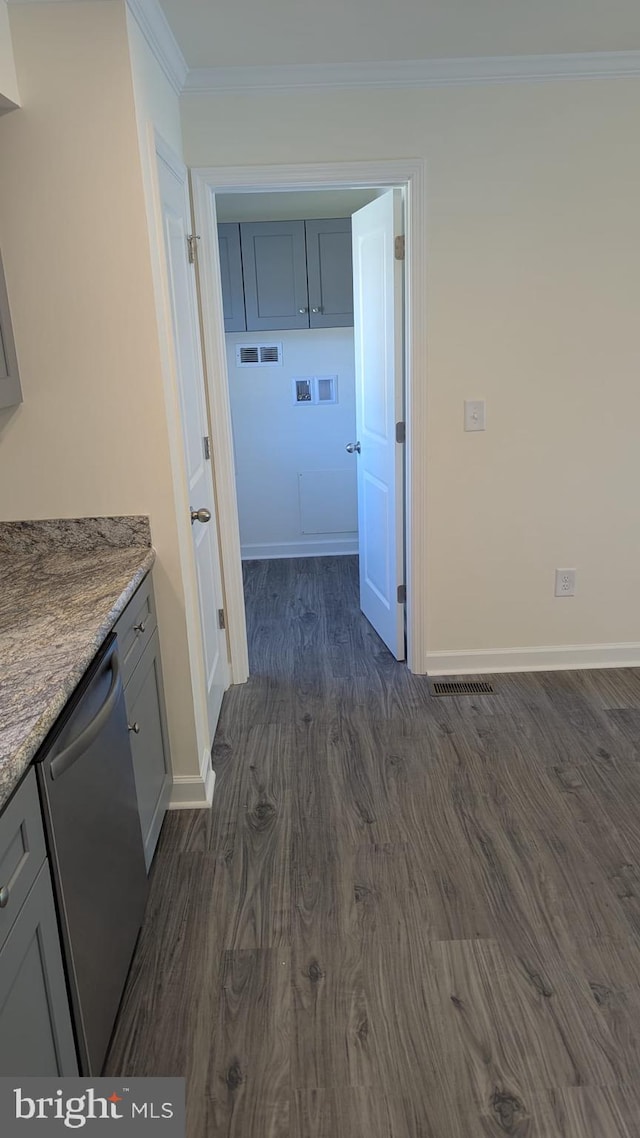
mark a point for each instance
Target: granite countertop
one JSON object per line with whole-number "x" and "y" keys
{"x": 63, "y": 584}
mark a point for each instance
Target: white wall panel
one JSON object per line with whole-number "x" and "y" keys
{"x": 276, "y": 440}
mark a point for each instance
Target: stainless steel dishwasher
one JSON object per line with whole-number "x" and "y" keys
{"x": 91, "y": 815}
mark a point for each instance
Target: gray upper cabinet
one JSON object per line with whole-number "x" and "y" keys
{"x": 330, "y": 273}
{"x": 275, "y": 275}
{"x": 10, "y": 390}
{"x": 286, "y": 274}
{"x": 231, "y": 276}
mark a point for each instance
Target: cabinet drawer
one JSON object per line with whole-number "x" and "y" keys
{"x": 135, "y": 628}
{"x": 22, "y": 851}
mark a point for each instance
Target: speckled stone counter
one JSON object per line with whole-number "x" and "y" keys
{"x": 63, "y": 584}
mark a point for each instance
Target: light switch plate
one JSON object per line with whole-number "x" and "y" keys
{"x": 475, "y": 415}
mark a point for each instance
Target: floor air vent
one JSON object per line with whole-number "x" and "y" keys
{"x": 460, "y": 687}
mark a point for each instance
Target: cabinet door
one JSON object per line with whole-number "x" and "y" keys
{"x": 144, "y": 697}
{"x": 330, "y": 271}
{"x": 275, "y": 275}
{"x": 36, "y": 1037}
{"x": 22, "y": 851}
{"x": 10, "y": 390}
{"x": 231, "y": 277}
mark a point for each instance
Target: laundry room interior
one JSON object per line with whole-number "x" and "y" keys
{"x": 291, "y": 368}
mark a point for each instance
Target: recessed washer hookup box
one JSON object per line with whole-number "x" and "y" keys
{"x": 131, "y": 1108}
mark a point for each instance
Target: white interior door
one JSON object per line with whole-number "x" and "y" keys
{"x": 378, "y": 319}
{"x": 174, "y": 196}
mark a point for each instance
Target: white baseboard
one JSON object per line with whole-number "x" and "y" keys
{"x": 481, "y": 661}
{"x": 327, "y": 547}
{"x": 192, "y": 792}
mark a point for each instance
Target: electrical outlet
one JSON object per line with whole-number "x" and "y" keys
{"x": 565, "y": 582}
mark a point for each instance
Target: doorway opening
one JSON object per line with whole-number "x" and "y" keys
{"x": 316, "y": 384}
{"x": 270, "y": 387}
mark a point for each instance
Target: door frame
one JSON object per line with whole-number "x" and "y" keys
{"x": 410, "y": 174}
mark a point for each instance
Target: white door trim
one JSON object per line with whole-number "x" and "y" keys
{"x": 410, "y": 173}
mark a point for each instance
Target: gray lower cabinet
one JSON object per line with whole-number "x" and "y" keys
{"x": 139, "y": 650}
{"x": 144, "y": 699}
{"x": 36, "y": 1036}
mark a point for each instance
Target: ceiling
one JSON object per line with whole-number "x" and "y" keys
{"x": 215, "y": 33}
{"x": 297, "y": 205}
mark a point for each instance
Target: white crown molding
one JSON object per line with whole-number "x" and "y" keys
{"x": 414, "y": 73}
{"x": 398, "y": 74}
{"x": 480, "y": 661}
{"x": 156, "y": 30}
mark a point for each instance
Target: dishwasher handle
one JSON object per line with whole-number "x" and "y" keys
{"x": 72, "y": 753}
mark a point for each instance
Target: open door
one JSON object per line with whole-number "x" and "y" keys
{"x": 174, "y": 198}
{"x": 378, "y": 322}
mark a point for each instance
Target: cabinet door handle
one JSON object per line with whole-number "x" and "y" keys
{"x": 316, "y": 309}
{"x": 4, "y": 896}
{"x": 135, "y": 727}
{"x": 302, "y": 311}
{"x": 140, "y": 627}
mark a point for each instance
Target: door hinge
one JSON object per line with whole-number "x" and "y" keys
{"x": 398, "y": 248}
{"x": 192, "y": 246}
{"x": 206, "y": 446}
{"x": 402, "y": 594}
{"x": 221, "y": 619}
{"x": 401, "y": 432}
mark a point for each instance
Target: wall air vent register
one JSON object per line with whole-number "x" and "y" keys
{"x": 259, "y": 355}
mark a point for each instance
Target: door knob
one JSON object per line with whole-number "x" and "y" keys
{"x": 353, "y": 448}
{"x": 201, "y": 515}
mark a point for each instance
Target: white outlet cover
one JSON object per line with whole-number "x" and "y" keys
{"x": 565, "y": 583}
{"x": 475, "y": 415}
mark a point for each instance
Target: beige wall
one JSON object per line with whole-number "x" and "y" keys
{"x": 8, "y": 81}
{"x": 91, "y": 435}
{"x": 534, "y": 293}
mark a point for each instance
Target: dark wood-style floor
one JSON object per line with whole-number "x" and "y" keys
{"x": 405, "y": 917}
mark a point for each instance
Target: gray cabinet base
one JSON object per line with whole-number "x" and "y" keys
{"x": 36, "y": 1037}
{"x": 149, "y": 744}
